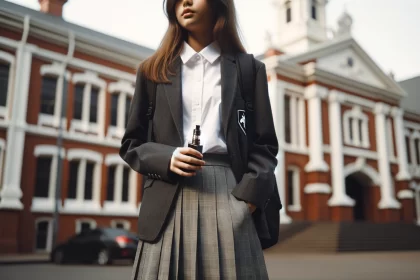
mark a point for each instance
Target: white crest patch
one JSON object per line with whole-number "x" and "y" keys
{"x": 241, "y": 120}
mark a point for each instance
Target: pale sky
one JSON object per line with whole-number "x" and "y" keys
{"x": 388, "y": 30}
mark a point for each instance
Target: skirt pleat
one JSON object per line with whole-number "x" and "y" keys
{"x": 210, "y": 234}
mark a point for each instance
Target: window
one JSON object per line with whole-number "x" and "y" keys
{"x": 84, "y": 181}
{"x": 121, "y": 94}
{"x": 288, "y": 12}
{"x": 78, "y": 102}
{"x": 121, "y": 224}
{"x": 294, "y": 118}
{"x": 293, "y": 189}
{"x": 4, "y": 83}
{"x": 2, "y": 148}
{"x": 121, "y": 192}
{"x": 49, "y": 85}
{"x": 94, "y": 95}
{"x": 42, "y": 183}
{"x": 114, "y": 109}
{"x": 73, "y": 175}
{"x": 417, "y": 148}
{"x": 313, "y": 9}
{"x": 288, "y": 131}
{"x": 53, "y": 91}
{"x": 350, "y": 62}
{"x": 83, "y": 225}
{"x": 356, "y": 129}
{"x": 407, "y": 145}
{"x": 127, "y": 109}
{"x": 89, "y": 104}
{"x": 110, "y": 183}
{"x": 45, "y": 177}
{"x": 43, "y": 234}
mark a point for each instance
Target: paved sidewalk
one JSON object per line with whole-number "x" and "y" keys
{"x": 24, "y": 258}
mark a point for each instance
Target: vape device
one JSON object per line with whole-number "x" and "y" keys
{"x": 195, "y": 143}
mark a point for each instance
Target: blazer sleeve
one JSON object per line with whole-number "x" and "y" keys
{"x": 258, "y": 181}
{"x": 147, "y": 158}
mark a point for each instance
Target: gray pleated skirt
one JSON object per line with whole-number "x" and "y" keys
{"x": 210, "y": 234}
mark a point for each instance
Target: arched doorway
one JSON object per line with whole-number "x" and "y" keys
{"x": 358, "y": 187}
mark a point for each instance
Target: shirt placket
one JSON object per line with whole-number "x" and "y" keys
{"x": 198, "y": 95}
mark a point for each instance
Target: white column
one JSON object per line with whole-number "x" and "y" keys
{"x": 314, "y": 94}
{"x": 355, "y": 126}
{"x": 339, "y": 196}
{"x": 11, "y": 192}
{"x": 81, "y": 177}
{"x": 276, "y": 93}
{"x": 387, "y": 187}
{"x": 365, "y": 131}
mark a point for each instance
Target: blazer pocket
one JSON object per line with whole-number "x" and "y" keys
{"x": 148, "y": 183}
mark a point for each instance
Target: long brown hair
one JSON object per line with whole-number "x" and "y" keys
{"x": 225, "y": 32}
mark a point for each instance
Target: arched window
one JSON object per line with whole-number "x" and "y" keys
{"x": 288, "y": 11}
{"x": 7, "y": 64}
{"x": 43, "y": 234}
{"x": 121, "y": 95}
{"x": 313, "y": 9}
{"x": 85, "y": 224}
{"x": 356, "y": 129}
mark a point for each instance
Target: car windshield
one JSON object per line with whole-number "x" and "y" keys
{"x": 114, "y": 232}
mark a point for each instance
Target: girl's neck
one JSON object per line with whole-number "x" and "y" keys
{"x": 199, "y": 41}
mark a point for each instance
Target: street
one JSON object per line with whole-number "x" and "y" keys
{"x": 366, "y": 266}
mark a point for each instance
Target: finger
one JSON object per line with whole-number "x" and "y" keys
{"x": 183, "y": 165}
{"x": 190, "y": 151}
{"x": 190, "y": 160}
{"x": 183, "y": 173}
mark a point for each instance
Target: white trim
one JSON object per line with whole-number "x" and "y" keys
{"x": 90, "y": 155}
{"x": 317, "y": 188}
{"x": 55, "y": 69}
{"x": 295, "y": 206}
{"x": 360, "y": 166}
{"x": 43, "y": 204}
{"x": 411, "y": 125}
{"x": 90, "y": 79}
{"x": 114, "y": 159}
{"x": 121, "y": 86}
{"x": 79, "y": 222}
{"x": 48, "y": 150}
{"x": 2, "y": 152}
{"x": 9, "y": 59}
{"x": 405, "y": 194}
{"x": 126, "y": 224}
{"x": 49, "y": 244}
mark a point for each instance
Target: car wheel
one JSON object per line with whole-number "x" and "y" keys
{"x": 58, "y": 257}
{"x": 103, "y": 257}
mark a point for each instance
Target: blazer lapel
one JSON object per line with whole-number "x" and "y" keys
{"x": 173, "y": 92}
{"x": 229, "y": 79}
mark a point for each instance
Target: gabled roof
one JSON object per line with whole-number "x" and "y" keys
{"x": 411, "y": 103}
{"x": 342, "y": 43}
{"x": 58, "y": 24}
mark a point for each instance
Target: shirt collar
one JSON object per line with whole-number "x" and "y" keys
{"x": 211, "y": 53}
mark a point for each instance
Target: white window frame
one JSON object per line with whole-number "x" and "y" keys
{"x": 79, "y": 205}
{"x": 296, "y": 203}
{"x": 2, "y": 151}
{"x": 124, "y": 90}
{"x": 356, "y": 114}
{"x": 49, "y": 233}
{"x": 390, "y": 141}
{"x": 90, "y": 79}
{"x": 413, "y": 167}
{"x": 54, "y": 70}
{"x": 79, "y": 222}
{"x": 297, "y": 121}
{"x": 8, "y": 59}
{"x": 46, "y": 204}
{"x": 126, "y": 224}
{"x": 118, "y": 207}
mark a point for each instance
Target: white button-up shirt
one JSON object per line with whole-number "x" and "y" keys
{"x": 202, "y": 97}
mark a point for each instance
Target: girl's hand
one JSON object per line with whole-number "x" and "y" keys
{"x": 251, "y": 207}
{"x": 183, "y": 159}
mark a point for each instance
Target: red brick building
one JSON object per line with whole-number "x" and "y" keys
{"x": 349, "y": 134}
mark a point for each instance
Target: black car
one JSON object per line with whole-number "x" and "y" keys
{"x": 100, "y": 246}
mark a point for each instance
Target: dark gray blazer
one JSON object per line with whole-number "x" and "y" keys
{"x": 254, "y": 176}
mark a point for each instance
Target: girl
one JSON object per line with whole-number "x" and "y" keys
{"x": 195, "y": 220}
